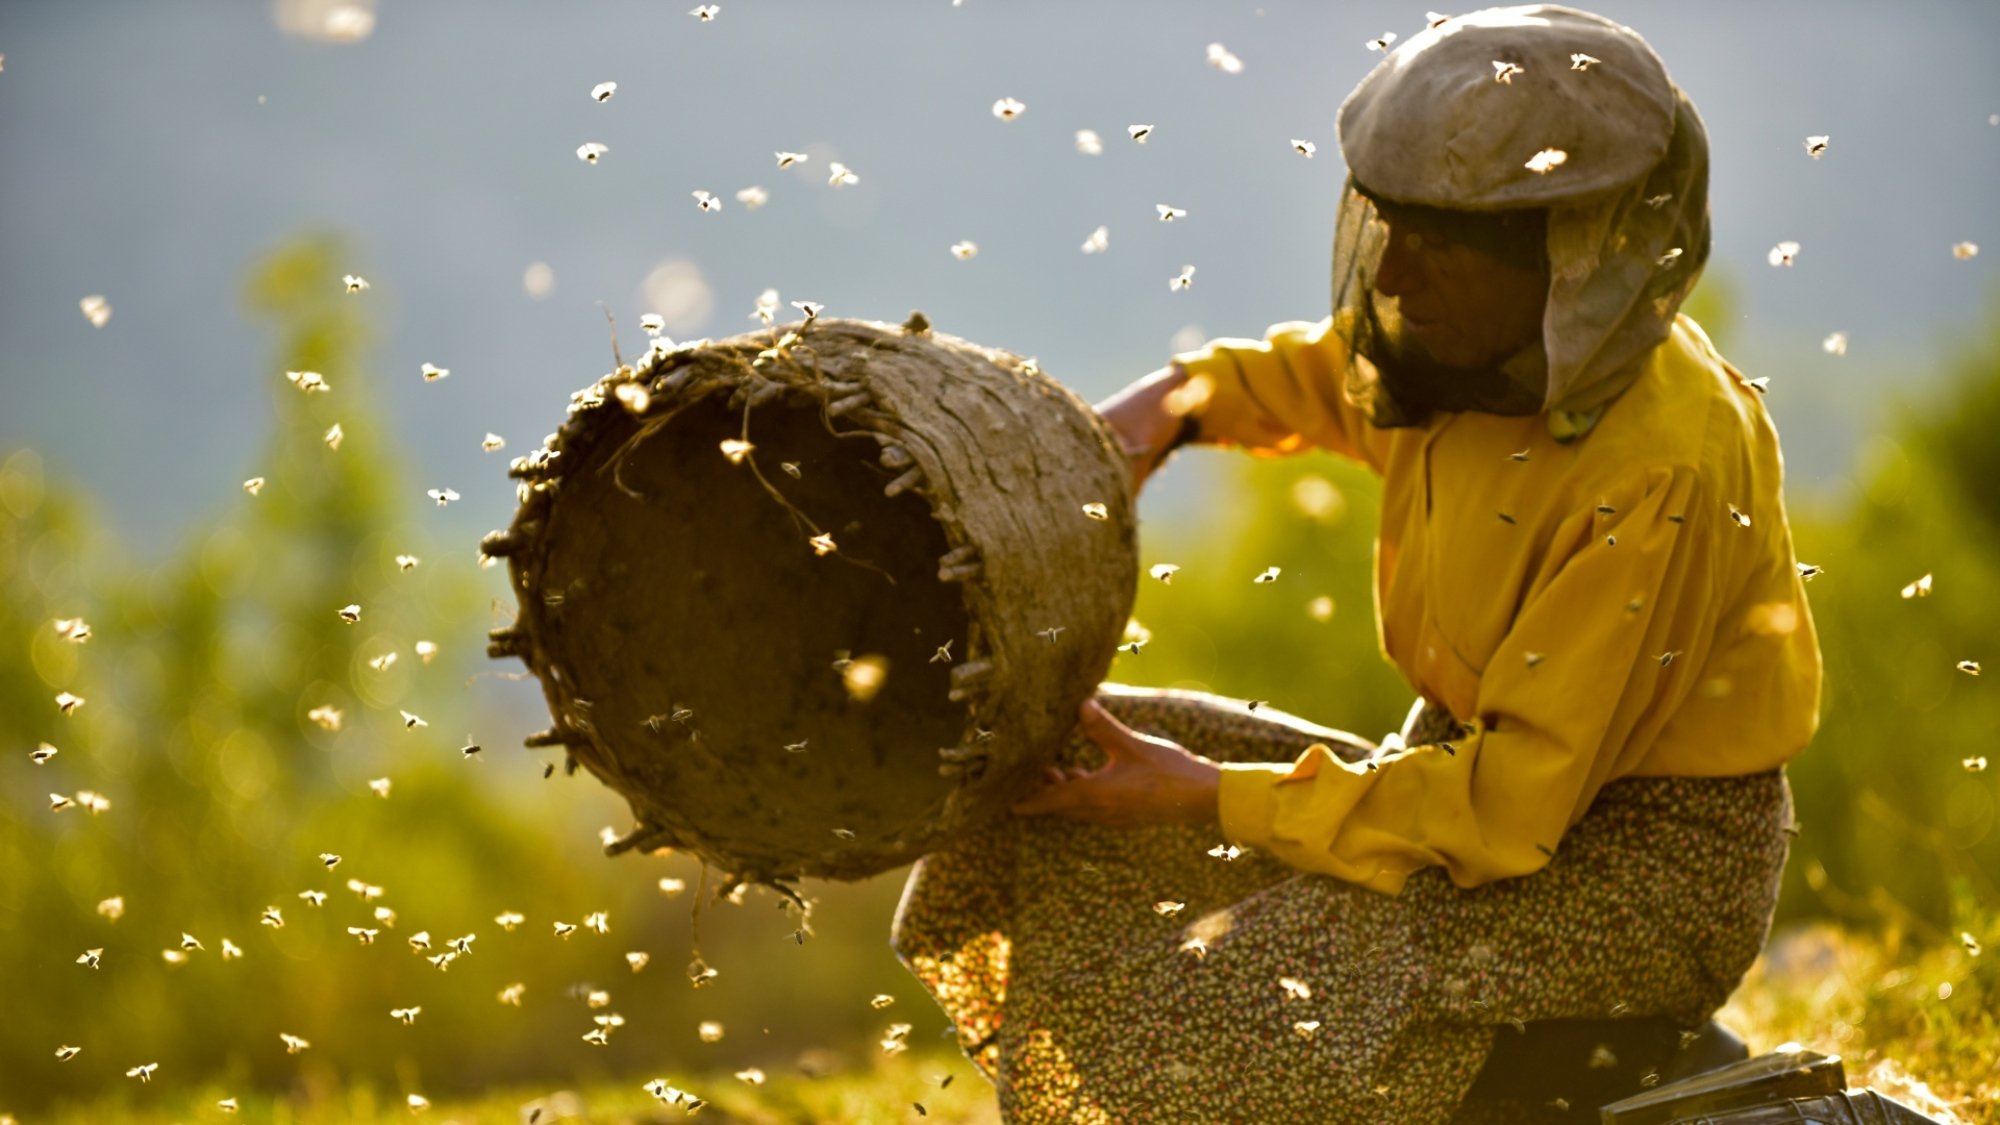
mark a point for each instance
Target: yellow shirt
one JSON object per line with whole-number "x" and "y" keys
{"x": 1627, "y": 604}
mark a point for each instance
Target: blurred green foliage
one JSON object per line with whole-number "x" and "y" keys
{"x": 204, "y": 666}
{"x": 199, "y": 679}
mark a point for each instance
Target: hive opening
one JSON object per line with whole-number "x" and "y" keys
{"x": 730, "y": 629}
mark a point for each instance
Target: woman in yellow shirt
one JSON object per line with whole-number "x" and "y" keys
{"x": 1583, "y": 569}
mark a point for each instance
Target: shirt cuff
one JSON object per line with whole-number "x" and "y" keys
{"x": 1248, "y": 800}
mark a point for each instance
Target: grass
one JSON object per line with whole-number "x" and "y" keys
{"x": 1917, "y": 1020}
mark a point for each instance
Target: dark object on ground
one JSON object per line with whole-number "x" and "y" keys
{"x": 1559, "y": 1070}
{"x": 1781, "y": 1087}
{"x": 815, "y": 598}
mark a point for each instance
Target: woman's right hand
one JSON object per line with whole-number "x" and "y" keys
{"x": 1146, "y": 426}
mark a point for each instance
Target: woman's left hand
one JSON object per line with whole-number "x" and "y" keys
{"x": 1146, "y": 781}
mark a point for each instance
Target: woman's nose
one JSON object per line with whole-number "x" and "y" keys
{"x": 1400, "y": 272}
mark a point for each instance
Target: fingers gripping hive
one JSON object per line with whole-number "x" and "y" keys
{"x": 791, "y": 594}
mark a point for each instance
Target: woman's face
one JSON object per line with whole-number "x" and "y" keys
{"x": 1464, "y": 306}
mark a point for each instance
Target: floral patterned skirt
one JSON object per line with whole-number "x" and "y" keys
{"x": 1130, "y": 975}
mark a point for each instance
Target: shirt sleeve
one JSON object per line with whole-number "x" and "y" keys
{"x": 1610, "y": 640}
{"x": 1279, "y": 395}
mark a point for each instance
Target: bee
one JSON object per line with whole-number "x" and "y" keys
{"x": 1051, "y": 632}
{"x": 1546, "y": 161}
{"x": 943, "y": 653}
{"x": 1666, "y": 659}
{"x": 143, "y": 1072}
{"x": 492, "y": 443}
{"x": 1008, "y": 109}
{"x": 227, "y": 1105}
{"x": 1223, "y": 60}
{"x": 1169, "y": 213}
{"x": 1304, "y": 148}
{"x": 599, "y": 922}
{"x": 112, "y": 908}
{"x": 798, "y": 747}
{"x": 1505, "y": 72}
{"x": 603, "y": 91}
{"x": 637, "y": 959}
{"x": 1098, "y": 242}
{"x": 443, "y": 496}
{"x": 840, "y": 175}
{"x": 1167, "y": 908}
{"x": 309, "y": 382}
{"x": 67, "y": 703}
{"x": 1965, "y": 251}
{"x": 411, "y": 721}
{"x": 1738, "y": 517}
{"x": 42, "y": 753}
{"x": 1227, "y": 853}
{"x": 334, "y": 436}
{"x": 314, "y": 898}
{"x": 1506, "y": 519}
{"x": 1139, "y": 133}
{"x": 564, "y": 929}
{"x": 64, "y": 1054}
{"x": 1196, "y": 946}
{"x": 964, "y": 251}
{"x": 293, "y": 1044}
{"x": 1808, "y": 572}
{"x": 1089, "y": 143}
{"x": 1295, "y": 989}
{"x": 383, "y": 662}
{"x": 1816, "y": 146}
{"x": 470, "y": 749}
{"x": 1182, "y": 280}
{"x": 463, "y": 945}
{"x": 1164, "y": 572}
{"x": 844, "y": 833}
{"x": 1382, "y": 42}
{"x": 591, "y": 152}
{"x": 787, "y": 159}
{"x": 272, "y": 917}
{"x": 1270, "y": 574}
{"x": 417, "y": 1103}
{"x": 1974, "y": 765}
{"x": 1096, "y": 511}
{"x": 90, "y": 957}
{"x": 750, "y": 1076}
{"x": 706, "y": 12}
{"x": 513, "y": 993}
{"x": 350, "y": 613}
{"x": 254, "y": 485}
{"x": 1969, "y": 667}
{"x": 708, "y": 203}
{"x": 96, "y": 310}
{"x": 1783, "y": 254}
{"x": 432, "y": 372}
{"x": 363, "y": 935}
{"x": 442, "y": 962}
{"x": 1921, "y": 588}
{"x": 380, "y": 786}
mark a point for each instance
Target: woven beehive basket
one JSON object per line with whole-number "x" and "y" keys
{"x": 786, "y": 709}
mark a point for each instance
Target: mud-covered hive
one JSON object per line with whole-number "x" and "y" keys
{"x": 817, "y": 597}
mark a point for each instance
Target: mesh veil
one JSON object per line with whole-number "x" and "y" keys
{"x": 1619, "y": 266}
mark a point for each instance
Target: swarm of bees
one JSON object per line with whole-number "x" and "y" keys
{"x": 856, "y": 671}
